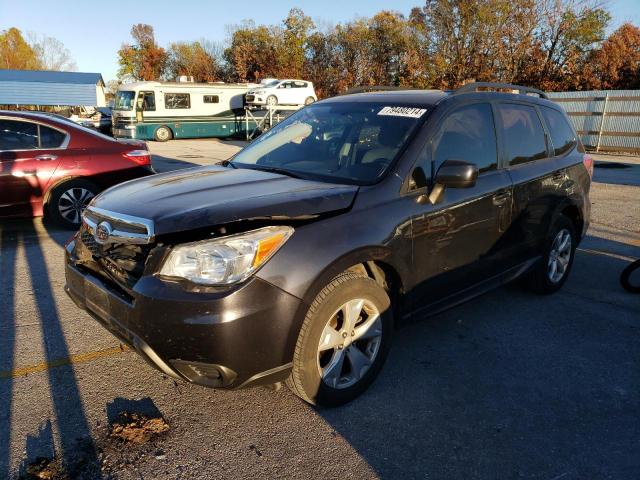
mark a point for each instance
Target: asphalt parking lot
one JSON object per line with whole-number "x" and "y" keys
{"x": 510, "y": 385}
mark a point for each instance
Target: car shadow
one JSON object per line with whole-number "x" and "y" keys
{"x": 70, "y": 419}
{"x": 510, "y": 385}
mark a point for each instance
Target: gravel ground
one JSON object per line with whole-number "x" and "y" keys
{"x": 510, "y": 385}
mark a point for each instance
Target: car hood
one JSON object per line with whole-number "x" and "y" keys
{"x": 207, "y": 196}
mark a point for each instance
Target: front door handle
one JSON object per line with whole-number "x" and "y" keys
{"x": 47, "y": 156}
{"x": 501, "y": 198}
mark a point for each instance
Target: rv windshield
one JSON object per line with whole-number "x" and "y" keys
{"x": 344, "y": 142}
{"x": 124, "y": 100}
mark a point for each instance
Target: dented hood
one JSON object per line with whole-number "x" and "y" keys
{"x": 207, "y": 196}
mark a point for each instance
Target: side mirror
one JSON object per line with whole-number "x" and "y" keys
{"x": 457, "y": 174}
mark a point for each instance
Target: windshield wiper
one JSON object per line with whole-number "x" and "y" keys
{"x": 227, "y": 163}
{"x": 281, "y": 171}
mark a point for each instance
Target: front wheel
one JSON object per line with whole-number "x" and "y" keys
{"x": 557, "y": 260}
{"x": 69, "y": 199}
{"x": 272, "y": 101}
{"x": 343, "y": 342}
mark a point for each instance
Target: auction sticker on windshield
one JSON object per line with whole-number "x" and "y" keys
{"x": 403, "y": 112}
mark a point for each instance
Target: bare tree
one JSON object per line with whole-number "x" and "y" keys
{"x": 51, "y": 53}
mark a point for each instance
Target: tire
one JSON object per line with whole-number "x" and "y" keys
{"x": 163, "y": 134}
{"x": 326, "y": 377}
{"x": 271, "y": 101}
{"x": 309, "y": 100}
{"x": 67, "y": 201}
{"x": 543, "y": 279}
{"x": 625, "y": 277}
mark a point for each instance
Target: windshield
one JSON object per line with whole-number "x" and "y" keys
{"x": 272, "y": 83}
{"x": 344, "y": 142}
{"x": 124, "y": 100}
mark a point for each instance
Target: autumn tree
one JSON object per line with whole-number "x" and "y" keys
{"x": 143, "y": 59}
{"x": 616, "y": 64}
{"x": 191, "y": 59}
{"x": 291, "y": 49}
{"x": 16, "y": 53}
{"x": 252, "y": 53}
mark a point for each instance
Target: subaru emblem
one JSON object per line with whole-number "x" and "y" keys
{"x": 103, "y": 232}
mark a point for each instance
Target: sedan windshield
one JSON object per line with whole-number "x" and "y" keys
{"x": 345, "y": 142}
{"x": 124, "y": 100}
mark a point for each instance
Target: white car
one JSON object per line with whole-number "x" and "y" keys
{"x": 282, "y": 92}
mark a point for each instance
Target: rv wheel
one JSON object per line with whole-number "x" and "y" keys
{"x": 163, "y": 134}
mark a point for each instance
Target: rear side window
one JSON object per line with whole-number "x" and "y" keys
{"x": 468, "y": 134}
{"x": 561, "y": 133}
{"x": 177, "y": 100}
{"x": 50, "y": 138}
{"x": 523, "y": 134}
{"x": 15, "y": 135}
{"x": 211, "y": 99}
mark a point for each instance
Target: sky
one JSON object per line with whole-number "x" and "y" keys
{"x": 94, "y": 31}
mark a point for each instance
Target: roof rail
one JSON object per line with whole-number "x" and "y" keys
{"x": 374, "y": 88}
{"x": 473, "y": 87}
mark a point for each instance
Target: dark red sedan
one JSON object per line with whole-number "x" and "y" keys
{"x": 52, "y": 166}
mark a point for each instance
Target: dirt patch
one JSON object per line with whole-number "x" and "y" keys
{"x": 44, "y": 469}
{"x": 137, "y": 428}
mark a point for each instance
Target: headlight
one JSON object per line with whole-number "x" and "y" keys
{"x": 225, "y": 260}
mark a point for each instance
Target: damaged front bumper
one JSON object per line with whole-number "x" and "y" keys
{"x": 229, "y": 338}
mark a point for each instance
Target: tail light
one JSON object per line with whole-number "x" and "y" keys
{"x": 141, "y": 157}
{"x": 588, "y": 163}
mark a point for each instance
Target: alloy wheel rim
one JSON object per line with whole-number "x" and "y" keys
{"x": 349, "y": 343}
{"x": 163, "y": 134}
{"x": 559, "y": 256}
{"x": 73, "y": 202}
{"x": 271, "y": 101}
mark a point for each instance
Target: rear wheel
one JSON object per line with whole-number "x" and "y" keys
{"x": 69, "y": 199}
{"x": 344, "y": 341}
{"x": 163, "y": 134}
{"x": 309, "y": 100}
{"x": 558, "y": 254}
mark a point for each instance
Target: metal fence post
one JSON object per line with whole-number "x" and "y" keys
{"x": 604, "y": 114}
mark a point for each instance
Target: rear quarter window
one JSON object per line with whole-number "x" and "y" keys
{"x": 50, "y": 138}
{"x": 523, "y": 134}
{"x": 561, "y": 133}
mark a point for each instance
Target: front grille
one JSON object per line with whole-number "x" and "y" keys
{"x": 121, "y": 262}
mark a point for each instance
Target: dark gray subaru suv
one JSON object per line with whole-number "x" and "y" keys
{"x": 295, "y": 260}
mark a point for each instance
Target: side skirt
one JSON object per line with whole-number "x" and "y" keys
{"x": 469, "y": 293}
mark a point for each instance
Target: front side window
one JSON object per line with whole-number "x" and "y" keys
{"x": 468, "y": 134}
{"x": 562, "y": 135}
{"x": 17, "y": 135}
{"x": 51, "y": 138}
{"x": 147, "y": 101}
{"x": 523, "y": 134}
{"x": 177, "y": 100}
{"x": 211, "y": 99}
{"x": 124, "y": 100}
{"x": 344, "y": 142}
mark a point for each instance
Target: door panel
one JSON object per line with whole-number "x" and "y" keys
{"x": 457, "y": 241}
{"x": 25, "y": 169}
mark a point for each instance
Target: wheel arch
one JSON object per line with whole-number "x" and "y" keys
{"x": 60, "y": 181}
{"x": 374, "y": 262}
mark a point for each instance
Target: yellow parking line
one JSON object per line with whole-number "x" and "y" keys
{"x": 59, "y": 362}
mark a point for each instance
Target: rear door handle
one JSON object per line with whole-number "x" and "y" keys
{"x": 47, "y": 156}
{"x": 501, "y": 198}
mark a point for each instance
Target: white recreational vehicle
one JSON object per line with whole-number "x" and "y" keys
{"x": 165, "y": 110}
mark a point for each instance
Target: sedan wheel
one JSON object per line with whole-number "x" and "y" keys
{"x": 69, "y": 199}
{"x": 73, "y": 202}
